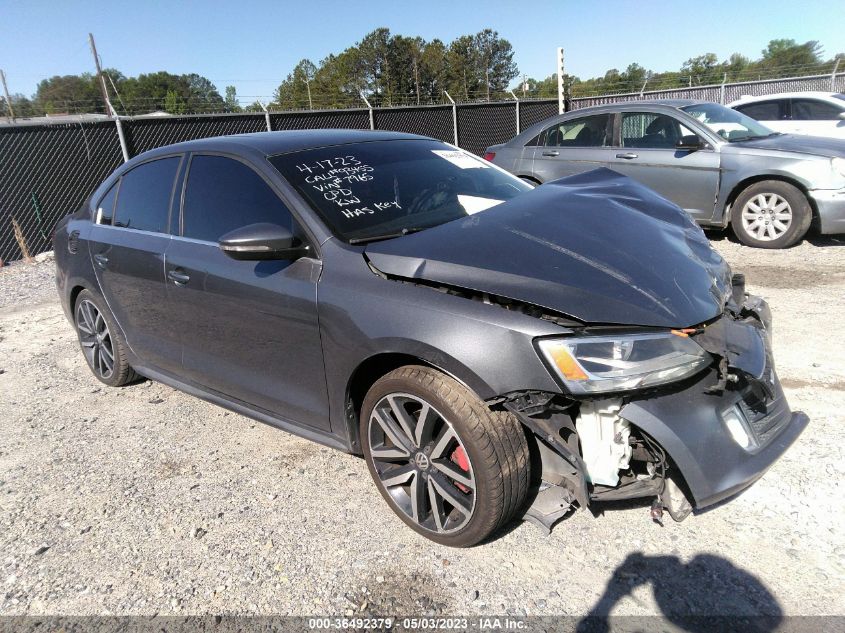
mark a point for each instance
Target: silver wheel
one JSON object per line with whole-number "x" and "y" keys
{"x": 421, "y": 463}
{"x": 95, "y": 338}
{"x": 766, "y": 216}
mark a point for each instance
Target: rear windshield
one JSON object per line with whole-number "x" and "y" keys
{"x": 374, "y": 190}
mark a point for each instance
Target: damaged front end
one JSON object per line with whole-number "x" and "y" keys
{"x": 689, "y": 442}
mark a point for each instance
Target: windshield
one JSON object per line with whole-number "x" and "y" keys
{"x": 729, "y": 124}
{"x": 382, "y": 189}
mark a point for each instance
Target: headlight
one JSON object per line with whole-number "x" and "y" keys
{"x": 592, "y": 364}
{"x": 838, "y": 165}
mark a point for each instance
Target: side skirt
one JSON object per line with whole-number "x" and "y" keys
{"x": 238, "y": 406}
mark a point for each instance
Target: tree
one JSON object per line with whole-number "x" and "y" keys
{"x": 786, "y": 54}
{"x": 22, "y": 106}
{"x": 702, "y": 69}
{"x": 231, "y": 100}
{"x": 69, "y": 94}
{"x": 462, "y": 64}
{"x": 494, "y": 56}
{"x": 295, "y": 90}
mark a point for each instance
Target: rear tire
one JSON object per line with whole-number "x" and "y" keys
{"x": 771, "y": 214}
{"x": 101, "y": 341}
{"x": 467, "y": 486}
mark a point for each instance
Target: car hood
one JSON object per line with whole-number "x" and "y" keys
{"x": 598, "y": 247}
{"x": 817, "y": 145}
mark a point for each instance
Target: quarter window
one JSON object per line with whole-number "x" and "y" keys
{"x": 143, "y": 202}
{"x": 763, "y": 110}
{"x": 590, "y": 131}
{"x": 224, "y": 194}
{"x": 812, "y": 110}
{"x": 105, "y": 209}
{"x": 648, "y": 130}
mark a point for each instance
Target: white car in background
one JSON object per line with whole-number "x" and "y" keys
{"x": 813, "y": 113}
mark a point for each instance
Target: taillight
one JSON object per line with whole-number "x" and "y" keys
{"x": 489, "y": 156}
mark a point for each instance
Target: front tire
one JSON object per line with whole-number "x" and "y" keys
{"x": 101, "y": 342}
{"x": 771, "y": 214}
{"x": 449, "y": 467}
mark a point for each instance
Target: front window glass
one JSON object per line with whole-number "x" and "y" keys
{"x": 650, "y": 130}
{"x": 814, "y": 110}
{"x": 729, "y": 124}
{"x": 382, "y": 189}
{"x": 143, "y": 202}
{"x": 223, "y": 195}
{"x": 590, "y": 131}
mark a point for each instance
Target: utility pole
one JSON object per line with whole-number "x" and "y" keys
{"x": 99, "y": 74}
{"x": 8, "y": 99}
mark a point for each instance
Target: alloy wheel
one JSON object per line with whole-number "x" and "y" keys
{"x": 95, "y": 338}
{"x": 766, "y": 216}
{"x": 421, "y": 463}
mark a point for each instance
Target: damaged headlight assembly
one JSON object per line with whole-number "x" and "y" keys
{"x": 601, "y": 364}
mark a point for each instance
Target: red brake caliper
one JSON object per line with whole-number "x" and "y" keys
{"x": 459, "y": 456}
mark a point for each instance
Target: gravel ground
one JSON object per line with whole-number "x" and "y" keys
{"x": 144, "y": 500}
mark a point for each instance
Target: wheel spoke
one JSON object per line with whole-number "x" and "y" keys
{"x": 423, "y": 432}
{"x": 106, "y": 349}
{"x": 436, "y": 504}
{"x": 388, "y": 426}
{"x": 442, "y": 443}
{"x": 448, "y": 491}
{"x": 454, "y": 472}
{"x": 418, "y": 498}
{"x": 771, "y": 230}
{"x": 397, "y": 476}
{"x": 402, "y": 417}
{"x": 751, "y": 205}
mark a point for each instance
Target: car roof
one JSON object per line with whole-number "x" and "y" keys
{"x": 270, "y": 143}
{"x": 668, "y": 103}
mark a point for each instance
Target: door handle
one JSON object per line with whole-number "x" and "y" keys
{"x": 101, "y": 260}
{"x": 178, "y": 277}
{"x": 551, "y": 153}
{"x": 627, "y": 156}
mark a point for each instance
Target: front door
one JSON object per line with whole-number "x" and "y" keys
{"x": 647, "y": 154}
{"x": 249, "y": 328}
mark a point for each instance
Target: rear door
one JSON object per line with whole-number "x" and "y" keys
{"x": 249, "y": 329}
{"x": 647, "y": 154}
{"x": 573, "y": 146}
{"x": 127, "y": 245}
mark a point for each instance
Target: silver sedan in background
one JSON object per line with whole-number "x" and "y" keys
{"x": 721, "y": 166}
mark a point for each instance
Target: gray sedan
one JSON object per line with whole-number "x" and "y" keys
{"x": 719, "y": 165}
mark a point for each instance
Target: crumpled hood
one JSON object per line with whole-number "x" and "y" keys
{"x": 803, "y": 144}
{"x": 598, "y": 247}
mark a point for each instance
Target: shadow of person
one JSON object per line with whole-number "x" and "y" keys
{"x": 707, "y": 594}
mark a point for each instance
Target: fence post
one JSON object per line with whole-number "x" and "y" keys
{"x": 561, "y": 100}
{"x": 266, "y": 116}
{"x": 370, "y": 108}
{"x": 722, "y": 89}
{"x": 454, "y": 117}
{"x": 515, "y": 98}
{"x": 833, "y": 75}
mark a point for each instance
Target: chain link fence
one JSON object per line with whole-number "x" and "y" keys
{"x": 48, "y": 170}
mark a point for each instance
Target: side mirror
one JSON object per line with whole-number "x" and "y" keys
{"x": 262, "y": 241}
{"x": 690, "y": 142}
{"x": 842, "y": 116}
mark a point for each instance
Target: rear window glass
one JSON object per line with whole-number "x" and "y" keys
{"x": 144, "y": 199}
{"x": 361, "y": 190}
{"x": 814, "y": 110}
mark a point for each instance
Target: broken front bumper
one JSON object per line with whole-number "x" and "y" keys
{"x": 692, "y": 427}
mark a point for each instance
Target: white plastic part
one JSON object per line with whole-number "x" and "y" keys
{"x": 604, "y": 440}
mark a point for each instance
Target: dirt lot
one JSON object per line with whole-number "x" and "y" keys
{"x": 143, "y": 500}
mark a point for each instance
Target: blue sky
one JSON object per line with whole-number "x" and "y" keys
{"x": 253, "y": 44}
